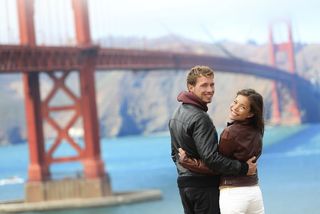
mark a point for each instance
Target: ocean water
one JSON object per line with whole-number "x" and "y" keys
{"x": 288, "y": 170}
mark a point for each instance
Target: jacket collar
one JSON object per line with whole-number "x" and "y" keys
{"x": 243, "y": 122}
{"x": 189, "y": 98}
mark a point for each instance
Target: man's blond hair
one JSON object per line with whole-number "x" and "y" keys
{"x": 198, "y": 71}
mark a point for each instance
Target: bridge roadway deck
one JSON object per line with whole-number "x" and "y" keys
{"x": 16, "y": 58}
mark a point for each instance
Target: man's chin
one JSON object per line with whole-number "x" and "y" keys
{"x": 208, "y": 101}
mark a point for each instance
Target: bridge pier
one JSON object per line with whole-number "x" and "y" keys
{"x": 68, "y": 188}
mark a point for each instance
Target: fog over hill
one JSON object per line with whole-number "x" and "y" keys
{"x": 141, "y": 102}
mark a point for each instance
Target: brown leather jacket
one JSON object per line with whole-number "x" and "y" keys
{"x": 239, "y": 140}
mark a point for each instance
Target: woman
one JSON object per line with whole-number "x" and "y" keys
{"x": 240, "y": 140}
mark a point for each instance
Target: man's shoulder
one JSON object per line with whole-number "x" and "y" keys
{"x": 190, "y": 110}
{"x": 194, "y": 110}
{"x": 189, "y": 114}
{"x": 201, "y": 117}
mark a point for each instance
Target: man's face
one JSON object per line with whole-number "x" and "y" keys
{"x": 204, "y": 88}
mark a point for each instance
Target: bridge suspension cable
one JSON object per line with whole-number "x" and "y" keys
{"x": 219, "y": 45}
{"x": 54, "y": 22}
{"x": 9, "y": 24}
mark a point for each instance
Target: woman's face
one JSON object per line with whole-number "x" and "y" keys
{"x": 240, "y": 108}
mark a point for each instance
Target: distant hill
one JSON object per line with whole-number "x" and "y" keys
{"x": 141, "y": 102}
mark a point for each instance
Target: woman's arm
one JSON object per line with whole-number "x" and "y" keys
{"x": 193, "y": 164}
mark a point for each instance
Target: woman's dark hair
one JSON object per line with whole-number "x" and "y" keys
{"x": 256, "y": 107}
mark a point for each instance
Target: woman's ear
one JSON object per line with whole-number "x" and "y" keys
{"x": 250, "y": 115}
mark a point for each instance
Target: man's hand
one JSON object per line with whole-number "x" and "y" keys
{"x": 252, "y": 166}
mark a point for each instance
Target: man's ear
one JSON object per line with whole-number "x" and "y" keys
{"x": 190, "y": 87}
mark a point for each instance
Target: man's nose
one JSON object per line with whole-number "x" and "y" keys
{"x": 210, "y": 88}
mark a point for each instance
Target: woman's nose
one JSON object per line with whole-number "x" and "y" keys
{"x": 235, "y": 107}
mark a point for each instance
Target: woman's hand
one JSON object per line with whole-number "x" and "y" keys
{"x": 193, "y": 164}
{"x": 182, "y": 154}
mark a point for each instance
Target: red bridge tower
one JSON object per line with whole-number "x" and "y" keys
{"x": 288, "y": 49}
{"x": 40, "y": 185}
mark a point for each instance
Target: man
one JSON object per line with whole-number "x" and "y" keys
{"x": 192, "y": 130}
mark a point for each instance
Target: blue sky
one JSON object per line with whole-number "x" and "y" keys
{"x": 206, "y": 20}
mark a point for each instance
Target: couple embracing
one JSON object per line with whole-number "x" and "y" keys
{"x": 217, "y": 177}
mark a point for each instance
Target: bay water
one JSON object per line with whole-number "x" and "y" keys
{"x": 288, "y": 170}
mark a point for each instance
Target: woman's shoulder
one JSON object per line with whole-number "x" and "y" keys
{"x": 232, "y": 127}
{"x": 237, "y": 129}
{"x": 228, "y": 132}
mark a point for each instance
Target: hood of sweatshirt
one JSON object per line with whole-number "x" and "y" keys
{"x": 189, "y": 98}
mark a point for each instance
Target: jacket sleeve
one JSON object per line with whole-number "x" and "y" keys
{"x": 173, "y": 154}
{"x": 226, "y": 144}
{"x": 206, "y": 141}
{"x": 195, "y": 165}
{"x": 173, "y": 150}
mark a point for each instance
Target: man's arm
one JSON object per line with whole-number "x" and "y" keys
{"x": 206, "y": 140}
{"x": 198, "y": 165}
{"x": 173, "y": 154}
